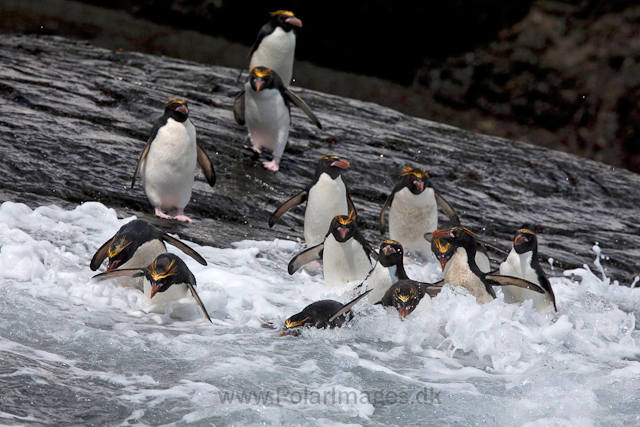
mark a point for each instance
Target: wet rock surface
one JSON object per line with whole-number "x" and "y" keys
{"x": 75, "y": 118}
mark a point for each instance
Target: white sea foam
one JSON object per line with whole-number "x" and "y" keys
{"x": 457, "y": 363}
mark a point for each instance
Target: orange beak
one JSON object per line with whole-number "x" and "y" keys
{"x": 294, "y": 21}
{"x": 443, "y": 262}
{"x": 343, "y": 231}
{"x": 155, "y": 286}
{"x": 112, "y": 265}
{"x": 403, "y": 313}
{"x": 441, "y": 234}
{"x": 388, "y": 250}
{"x": 520, "y": 239}
{"x": 183, "y": 109}
{"x": 342, "y": 164}
{"x": 420, "y": 185}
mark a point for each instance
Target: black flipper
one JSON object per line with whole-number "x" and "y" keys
{"x": 207, "y": 168}
{"x": 345, "y": 308}
{"x": 238, "y": 108}
{"x": 350, "y": 205}
{"x": 100, "y": 255}
{"x": 303, "y": 106}
{"x": 298, "y": 199}
{"x": 500, "y": 280}
{"x": 143, "y": 155}
{"x": 384, "y": 208}
{"x": 433, "y": 289}
{"x": 124, "y": 272}
{"x": 184, "y": 248}
{"x": 195, "y": 295}
{"x": 492, "y": 246}
{"x": 314, "y": 253}
{"x": 446, "y": 208}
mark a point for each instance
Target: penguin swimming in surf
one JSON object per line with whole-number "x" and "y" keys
{"x": 345, "y": 254}
{"x": 523, "y": 262}
{"x": 413, "y": 211}
{"x": 168, "y": 162}
{"x": 326, "y": 196}
{"x": 167, "y": 278}
{"x": 135, "y": 245}
{"x": 264, "y": 105}
{"x": 323, "y": 314}
{"x": 276, "y": 44}
{"x": 408, "y": 297}
{"x": 388, "y": 270}
{"x": 464, "y": 271}
{"x": 443, "y": 250}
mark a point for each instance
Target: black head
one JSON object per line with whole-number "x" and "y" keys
{"x": 316, "y": 315}
{"x": 167, "y": 270}
{"x": 405, "y": 295}
{"x": 331, "y": 165}
{"x": 343, "y": 227}
{"x": 391, "y": 253}
{"x": 177, "y": 110}
{"x": 415, "y": 180}
{"x": 261, "y": 78}
{"x": 285, "y": 19}
{"x": 128, "y": 239}
{"x": 442, "y": 249}
{"x": 459, "y": 237}
{"x": 524, "y": 241}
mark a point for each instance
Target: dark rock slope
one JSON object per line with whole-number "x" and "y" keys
{"x": 75, "y": 118}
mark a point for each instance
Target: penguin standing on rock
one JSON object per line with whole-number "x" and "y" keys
{"x": 264, "y": 105}
{"x": 414, "y": 211}
{"x": 345, "y": 254}
{"x": 523, "y": 262}
{"x": 323, "y": 314}
{"x": 167, "y": 279}
{"x": 276, "y": 45}
{"x": 168, "y": 162}
{"x": 464, "y": 271}
{"x": 326, "y": 196}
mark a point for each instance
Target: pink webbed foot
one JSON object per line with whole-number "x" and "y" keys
{"x": 273, "y": 165}
{"x": 161, "y": 214}
{"x": 180, "y": 216}
{"x": 252, "y": 148}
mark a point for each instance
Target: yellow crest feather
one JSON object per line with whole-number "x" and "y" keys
{"x": 281, "y": 12}
{"x": 418, "y": 173}
{"x": 169, "y": 271}
{"x": 348, "y": 220}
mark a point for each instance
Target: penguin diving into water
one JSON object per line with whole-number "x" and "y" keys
{"x": 409, "y": 297}
{"x": 323, "y": 314}
{"x": 326, "y": 196}
{"x": 276, "y": 44}
{"x": 464, "y": 271}
{"x": 523, "y": 262}
{"x": 167, "y": 278}
{"x": 136, "y": 245}
{"x": 168, "y": 162}
{"x": 345, "y": 254}
{"x": 264, "y": 106}
{"x": 413, "y": 211}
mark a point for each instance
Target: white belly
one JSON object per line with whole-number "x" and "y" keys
{"x": 459, "y": 274}
{"x": 327, "y": 198}
{"x": 169, "y": 168}
{"x": 161, "y": 300}
{"x": 482, "y": 261}
{"x": 276, "y": 51}
{"x": 344, "y": 262}
{"x": 267, "y": 119}
{"x": 379, "y": 280}
{"x": 520, "y": 266}
{"x": 143, "y": 256}
{"x": 410, "y": 217}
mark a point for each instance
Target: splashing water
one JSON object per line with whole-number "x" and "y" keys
{"x": 101, "y": 353}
